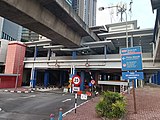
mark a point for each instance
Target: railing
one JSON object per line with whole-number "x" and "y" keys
{"x": 90, "y": 61}
{"x": 108, "y": 57}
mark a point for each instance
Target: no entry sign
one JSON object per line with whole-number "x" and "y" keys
{"x": 93, "y": 82}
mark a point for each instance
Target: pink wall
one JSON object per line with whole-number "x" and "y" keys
{"x": 14, "y": 59}
{"x": 7, "y": 81}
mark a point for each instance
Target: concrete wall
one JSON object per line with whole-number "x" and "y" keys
{"x": 1, "y": 26}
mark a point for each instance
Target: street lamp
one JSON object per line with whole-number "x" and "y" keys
{"x": 126, "y": 31}
{"x": 122, "y": 9}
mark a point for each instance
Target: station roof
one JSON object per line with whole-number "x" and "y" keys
{"x": 114, "y": 36}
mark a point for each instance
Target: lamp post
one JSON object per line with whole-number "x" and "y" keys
{"x": 126, "y": 31}
{"x": 122, "y": 10}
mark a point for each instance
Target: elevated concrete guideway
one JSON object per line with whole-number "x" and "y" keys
{"x": 51, "y": 18}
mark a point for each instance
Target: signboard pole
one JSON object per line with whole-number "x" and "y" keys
{"x": 134, "y": 98}
{"x": 131, "y": 59}
{"x": 92, "y": 91}
{"x": 75, "y": 102}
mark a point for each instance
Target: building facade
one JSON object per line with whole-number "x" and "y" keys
{"x": 69, "y": 2}
{"x": 28, "y": 35}
{"x": 86, "y": 9}
{"x": 9, "y": 30}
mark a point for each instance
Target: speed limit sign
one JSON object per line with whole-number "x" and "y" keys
{"x": 76, "y": 80}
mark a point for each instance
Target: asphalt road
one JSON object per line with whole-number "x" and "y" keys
{"x": 34, "y": 106}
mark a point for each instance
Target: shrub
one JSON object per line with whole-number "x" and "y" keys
{"x": 111, "y": 105}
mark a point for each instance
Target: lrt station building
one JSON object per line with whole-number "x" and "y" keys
{"x": 75, "y": 49}
{"x": 53, "y": 65}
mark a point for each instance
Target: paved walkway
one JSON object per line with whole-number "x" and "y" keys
{"x": 148, "y": 104}
{"x": 84, "y": 112}
{"x": 148, "y": 107}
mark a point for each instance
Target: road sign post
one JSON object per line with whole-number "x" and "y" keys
{"x": 134, "y": 98}
{"x": 75, "y": 104}
{"x": 76, "y": 81}
{"x": 92, "y": 82}
{"x": 131, "y": 59}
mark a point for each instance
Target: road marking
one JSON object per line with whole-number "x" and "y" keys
{"x": 64, "y": 114}
{"x": 66, "y": 100}
{"x": 11, "y": 99}
{"x": 31, "y": 96}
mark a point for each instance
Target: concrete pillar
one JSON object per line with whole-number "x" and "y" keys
{"x": 33, "y": 78}
{"x": 102, "y": 76}
{"x": 74, "y": 55}
{"x": 49, "y": 54}
{"x": 46, "y": 78}
{"x": 132, "y": 44}
{"x": 155, "y": 78}
{"x": 135, "y": 83}
{"x": 82, "y": 81}
{"x": 152, "y": 79}
{"x": 158, "y": 77}
{"x": 62, "y": 77}
{"x": 70, "y": 83}
{"x": 96, "y": 77}
{"x": 105, "y": 76}
{"x": 105, "y": 51}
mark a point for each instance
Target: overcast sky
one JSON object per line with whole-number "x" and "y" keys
{"x": 141, "y": 11}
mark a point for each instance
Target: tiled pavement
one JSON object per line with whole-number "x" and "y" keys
{"x": 84, "y": 112}
{"x": 148, "y": 107}
{"x": 147, "y": 103}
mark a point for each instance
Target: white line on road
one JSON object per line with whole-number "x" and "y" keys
{"x": 66, "y": 100}
{"x": 31, "y": 96}
{"x": 64, "y": 114}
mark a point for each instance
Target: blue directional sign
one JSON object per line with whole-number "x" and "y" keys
{"x": 132, "y": 75}
{"x": 131, "y": 58}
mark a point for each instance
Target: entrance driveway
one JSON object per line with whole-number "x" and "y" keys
{"x": 34, "y": 106}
